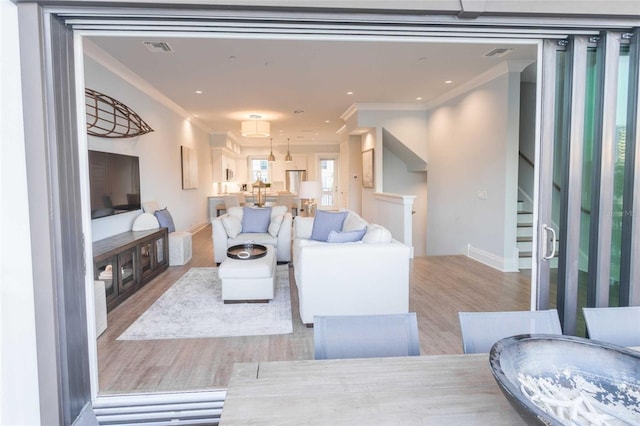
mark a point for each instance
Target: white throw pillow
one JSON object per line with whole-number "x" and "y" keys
{"x": 232, "y": 225}
{"x": 276, "y": 223}
{"x": 376, "y": 234}
{"x": 353, "y": 222}
{"x": 277, "y": 211}
{"x": 236, "y": 212}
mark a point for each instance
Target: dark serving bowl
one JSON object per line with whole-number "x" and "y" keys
{"x": 606, "y": 376}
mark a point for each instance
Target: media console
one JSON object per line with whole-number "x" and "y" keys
{"x": 128, "y": 261}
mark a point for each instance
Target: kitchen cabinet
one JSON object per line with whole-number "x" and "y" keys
{"x": 224, "y": 166}
{"x": 299, "y": 163}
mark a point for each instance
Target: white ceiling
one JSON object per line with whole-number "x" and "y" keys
{"x": 273, "y": 78}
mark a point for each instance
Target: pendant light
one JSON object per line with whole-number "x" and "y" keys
{"x": 272, "y": 157}
{"x": 288, "y": 158}
{"x": 255, "y": 128}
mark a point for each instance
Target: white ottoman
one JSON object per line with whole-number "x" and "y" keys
{"x": 180, "y": 251}
{"x": 248, "y": 280}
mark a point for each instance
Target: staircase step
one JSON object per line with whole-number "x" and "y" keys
{"x": 524, "y": 231}
{"x": 525, "y": 217}
{"x": 525, "y": 260}
{"x": 524, "y": 263}
{"x": 524, "y": 243}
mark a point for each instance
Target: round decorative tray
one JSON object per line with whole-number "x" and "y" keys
{"x": 247, "y": 251}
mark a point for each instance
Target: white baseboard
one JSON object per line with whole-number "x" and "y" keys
{"x": 195, "y": 228}
{"x": 496, "y": 262}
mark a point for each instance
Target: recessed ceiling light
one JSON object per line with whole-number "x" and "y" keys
{"x": 327, "y": 121}
{"x": 349, "y": 93}
{"x": 419, "y": 98}
{"x": 448, "y": 82}
{"x": 199, "y": 92}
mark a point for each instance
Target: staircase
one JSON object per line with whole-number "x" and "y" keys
{"x": 524, "y": 237}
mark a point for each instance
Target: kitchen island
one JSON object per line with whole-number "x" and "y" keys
{"x": 217, "y": 201}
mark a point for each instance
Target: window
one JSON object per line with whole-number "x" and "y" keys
{"x": 259, "y": 168}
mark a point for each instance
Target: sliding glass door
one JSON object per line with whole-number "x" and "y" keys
{"x": 586, "y": 177}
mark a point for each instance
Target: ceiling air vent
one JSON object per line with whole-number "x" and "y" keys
{"x": 499, "y": 52}
{"x": 158, "y": 46}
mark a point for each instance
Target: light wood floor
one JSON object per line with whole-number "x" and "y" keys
{"x": 440, "y": 287}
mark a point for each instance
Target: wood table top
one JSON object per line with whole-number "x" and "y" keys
{"x": 437, "y": 390}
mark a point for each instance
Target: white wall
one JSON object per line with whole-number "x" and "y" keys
{"x": 527, "y": 142}
{"x": 353, "y": 164}
{"x": 19, "y": 392}
{"x": 395, "y": 171}
{"x": 397, "y": 180}
{"x": 369, "y": 141}
{"x": 472, "y": 149}
{"x": 159, "y": 152}
{"x": 409, "y": 126}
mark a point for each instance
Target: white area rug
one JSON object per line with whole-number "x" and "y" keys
{"x": 193, "y": 308}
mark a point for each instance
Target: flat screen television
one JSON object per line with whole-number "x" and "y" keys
{"x": 114, "y": 181}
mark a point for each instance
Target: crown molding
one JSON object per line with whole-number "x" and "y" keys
{"x": 118, "y": 68}
{"x": 491, "y": 74}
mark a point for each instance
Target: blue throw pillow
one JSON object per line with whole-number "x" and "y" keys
{"x": 165, "y": 220}
{"x": 325, "y": 222}
{"x": 256, "y": 219}
{"x": 346, "y": 236}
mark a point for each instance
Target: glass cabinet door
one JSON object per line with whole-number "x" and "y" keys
{"x": 104, "y": 272}
{"x": 147, "y": 259}
{"x": 127, "y": 265}
{"x": 160, "y": 250}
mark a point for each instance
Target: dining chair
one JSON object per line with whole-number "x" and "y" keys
{"x": 480, "y": 330}
{"x": 617, "y": 325}
{"x": 288, "y": 200}
{"x": 242, "y": 199}
{"x": 365, "y": 336}
{"x": 231, "y": 201}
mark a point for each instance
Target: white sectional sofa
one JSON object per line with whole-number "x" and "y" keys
{"x": 227, "y": 231}
{"x": 370, "y": 276}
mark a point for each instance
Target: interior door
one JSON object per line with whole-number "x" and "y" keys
{"x": 329, "y": 181}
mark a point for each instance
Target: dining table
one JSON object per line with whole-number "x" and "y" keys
{"x": 426, "y": 390}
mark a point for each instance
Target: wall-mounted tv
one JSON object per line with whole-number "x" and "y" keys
{"x": 114, "y": 181}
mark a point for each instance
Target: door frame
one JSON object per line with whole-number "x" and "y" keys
{"x": 336, "y": 158}
{"x": 39, "y": 132}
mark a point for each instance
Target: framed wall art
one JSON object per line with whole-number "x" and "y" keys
{"x": 189, "y": 168}
{"x": 367, "y": 168}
